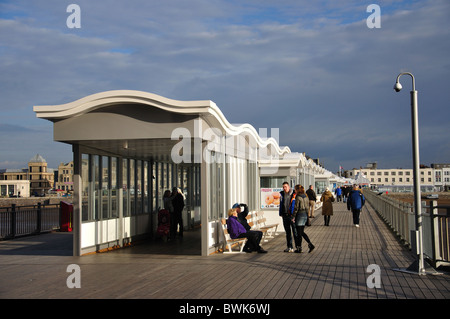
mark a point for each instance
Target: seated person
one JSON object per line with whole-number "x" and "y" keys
{"x": 236, "y": 230}
{"x": 241, "y": 215}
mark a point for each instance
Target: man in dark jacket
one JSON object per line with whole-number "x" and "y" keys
{"x": 312, "y": 200}
{"x": 178, "y": 205}
{"x": 242, "y": 215}
{"x": 285, "y": 213}
{"x": 355, "y": 202}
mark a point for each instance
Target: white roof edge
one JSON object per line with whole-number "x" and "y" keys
{"x": 94, "y": 101}
{"x": 98, "y": 100}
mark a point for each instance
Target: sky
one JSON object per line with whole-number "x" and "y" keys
{"x": 319, "y": 71}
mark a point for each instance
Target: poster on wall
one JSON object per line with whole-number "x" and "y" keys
{"x": 270, "y": 197}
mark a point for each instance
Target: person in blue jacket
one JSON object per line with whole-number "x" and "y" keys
{"x": 338, "y": 193}
{"x": 355, "y": 202}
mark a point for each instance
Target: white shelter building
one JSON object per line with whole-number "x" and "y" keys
{"x": 131, "y": 146}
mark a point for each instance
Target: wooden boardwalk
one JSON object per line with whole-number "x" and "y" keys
{"x": 36, "y": 267}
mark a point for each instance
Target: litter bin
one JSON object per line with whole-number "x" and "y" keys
{"x": 66, "y": 218}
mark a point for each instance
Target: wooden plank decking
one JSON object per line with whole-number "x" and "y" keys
{"x": 336, "y": 269}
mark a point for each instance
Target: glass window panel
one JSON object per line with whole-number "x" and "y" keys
{"x": 125, "y": 187}
{"x": 154, "y": 189}
{"x": 95, "y": 186}
{"x": 84, "y": 187}
{"x": 145, "y": 187}
{"x": 132, "y": 186}
{"x": 179, "y": 175}
{"x": 105, "y": 187}
{"x": 138, "y": 187}
{"x": 114, "y": 188}
{"x": 165, "y": 176}
{"x": 159, "y": 187}
{"x": 169, "y": 184}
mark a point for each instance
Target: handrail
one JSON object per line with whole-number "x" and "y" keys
{"x": 400, "y": 217}
{"x": 28, "y": 220}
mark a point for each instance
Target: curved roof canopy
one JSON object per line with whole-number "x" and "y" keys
{"x": 139, "y": 110}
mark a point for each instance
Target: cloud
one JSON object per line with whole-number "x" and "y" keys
{"x": 313, "y": 69}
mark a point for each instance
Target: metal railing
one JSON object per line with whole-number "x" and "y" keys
{"x": 26, "y": 220}
{"x": 400, "y": 217}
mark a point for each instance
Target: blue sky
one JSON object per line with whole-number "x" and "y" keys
{"x": 313, "y": 69}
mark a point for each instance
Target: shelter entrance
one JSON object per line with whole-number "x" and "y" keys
{"x": 122, "y": 191}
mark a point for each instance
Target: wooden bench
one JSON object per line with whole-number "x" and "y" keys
{"x": 230, "y": 242}
{"x": 257, "y": 221}
{"x": 270, "y": 230}
{"x": 255, "y": 225}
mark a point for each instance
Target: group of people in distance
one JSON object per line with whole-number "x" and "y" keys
{"x": 296, "y": 208}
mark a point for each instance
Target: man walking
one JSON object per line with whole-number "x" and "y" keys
{"x": 355, "y": 202}
{"x": 312, "y": 201}
{"x": 285, "y": 213}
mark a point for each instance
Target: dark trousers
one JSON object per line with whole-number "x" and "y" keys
{"x": 253, "y": 239}
{"x": 356, "y": 213}
{"x": 175, "y": 220}
{"x": 290, "y": 229}
{"x": 301, "y": 234}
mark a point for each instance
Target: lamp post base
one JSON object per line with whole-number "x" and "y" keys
{"x": 414, "y": 269}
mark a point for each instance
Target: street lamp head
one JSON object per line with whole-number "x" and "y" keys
{"x": 397, "y": 87}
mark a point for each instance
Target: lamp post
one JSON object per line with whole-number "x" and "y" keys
{"x": 419, "y": 265}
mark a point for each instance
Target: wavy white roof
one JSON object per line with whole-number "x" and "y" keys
{"x": 205, "y": 108}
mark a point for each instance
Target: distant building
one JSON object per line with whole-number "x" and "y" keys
{"x": 41, "y": 178}
{"x": 64, "y": 177}
{"x": 14, "y": 188}
{"x": 433, "y": 178}
{"x": 442, "y": 175}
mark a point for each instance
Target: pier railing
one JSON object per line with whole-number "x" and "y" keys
{"x": 26, "y": 220}
{"x": 400, "y": 217}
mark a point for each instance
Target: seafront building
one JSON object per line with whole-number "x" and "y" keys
{"x": 441, "y": 176}
{"x": 40, "y": 179}
{"x": 434, "y": 178}
{"x": 64, "y": 178}
{"x": 37, "y": 179}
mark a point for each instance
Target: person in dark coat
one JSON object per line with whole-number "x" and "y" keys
{"x": 242, "y": 214}
{"x": 327, "y": 208}
{"x": 355, "y": 202}
{"x": 312, "y": 201}
{"x": 287, "y": 197}
{"x": 178, "y": 205}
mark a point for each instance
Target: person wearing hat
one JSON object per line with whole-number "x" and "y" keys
{"x": 237, "y": 230}
{"x": 242, "y": 215}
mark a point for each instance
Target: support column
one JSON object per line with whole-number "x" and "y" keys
{"x": 120, "y": 202}
{"x": 205, "y": 200}
{"x": 77, "y": 200}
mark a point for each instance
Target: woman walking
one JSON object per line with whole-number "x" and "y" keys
{"x": 327, "y": 209}
{"x": 300, "y": 217}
